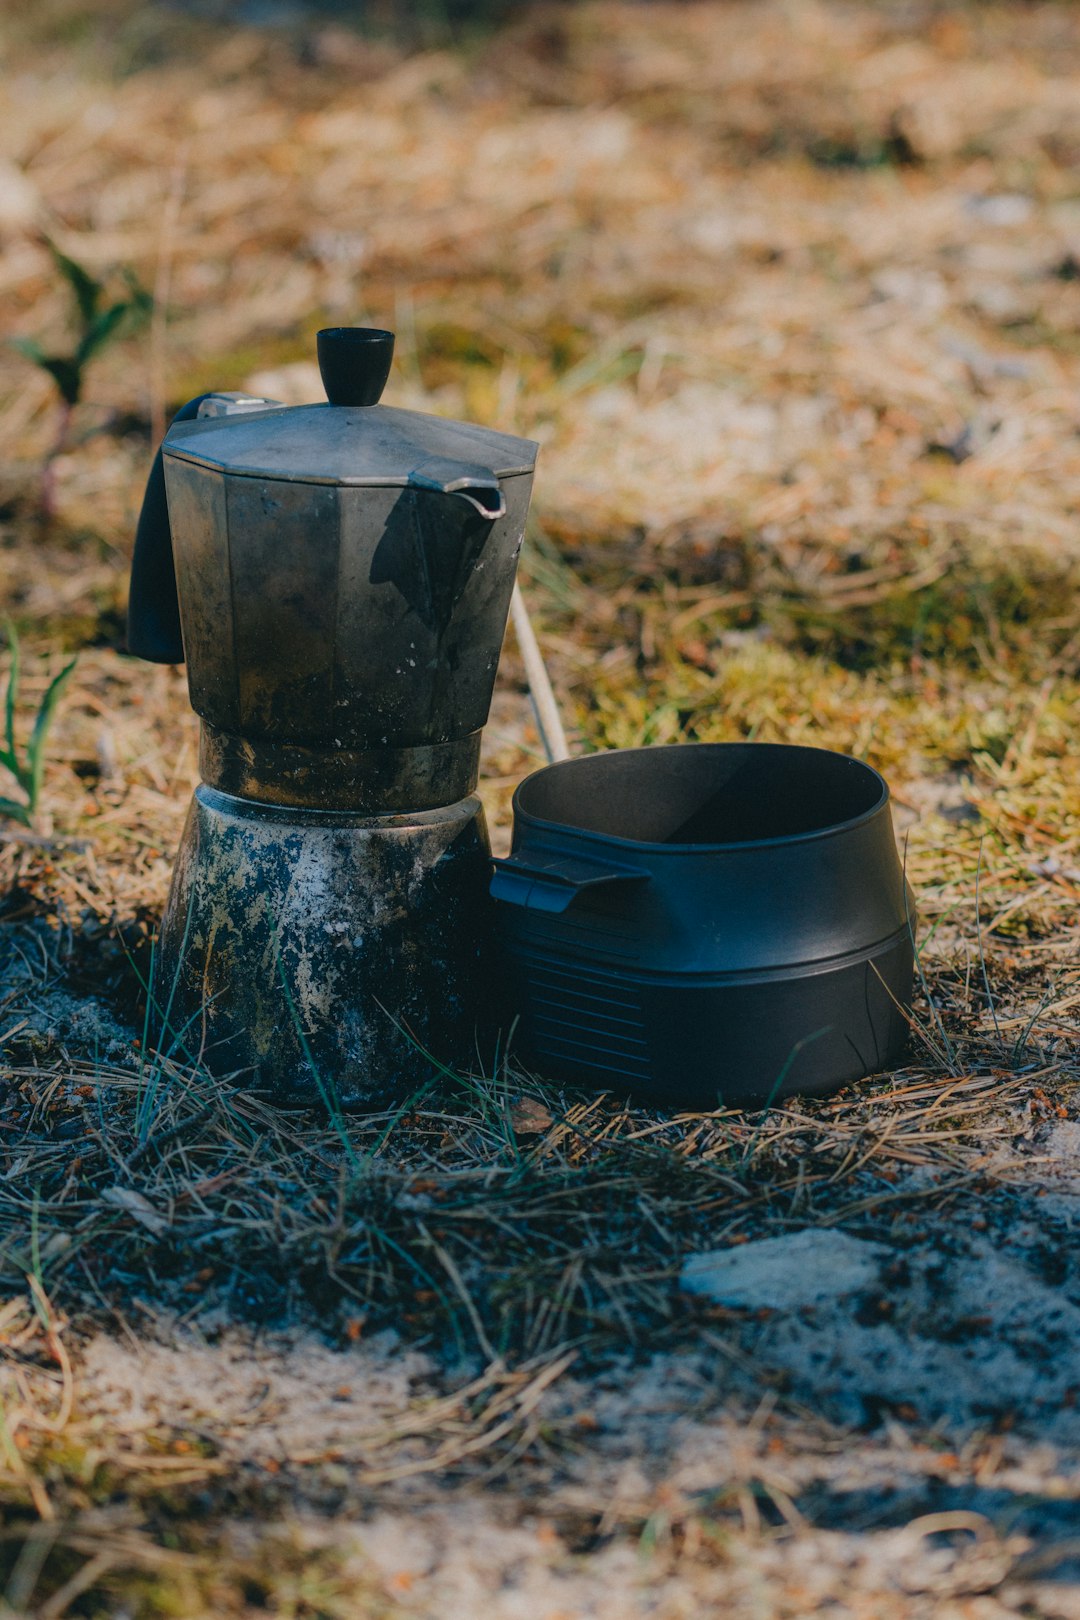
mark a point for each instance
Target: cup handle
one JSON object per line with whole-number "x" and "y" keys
{"x": 552, "y": 884}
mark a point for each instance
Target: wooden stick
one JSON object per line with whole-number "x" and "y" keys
{"x": 548, "y": 720}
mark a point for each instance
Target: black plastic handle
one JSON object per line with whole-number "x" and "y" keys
{"x": 354, "y": 363}
{"x": 153, "y": 625}
{"x": 554, "y": 884}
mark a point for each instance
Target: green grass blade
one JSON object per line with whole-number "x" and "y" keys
{"x": 67, "y": 374}
{"x": 12, "y": 810}
{"x": 12, "y": 693}
{"x": 35, "y": 752}
{"x": 98, "y": 333}
{"x": 141, "y": 302}
{"x": 31, "y": 350}
{"x": 85, "y": 288}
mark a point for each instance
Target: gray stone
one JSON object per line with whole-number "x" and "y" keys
{"x": 786, "y": 1273}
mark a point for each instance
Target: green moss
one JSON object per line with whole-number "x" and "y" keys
{"x": 177, "y": 1559}
{"x": 1037, "y": 332}
{"x": 864, "y": 151}
{"x": 446, "y": 349}
{"x": 1010, "y": 612}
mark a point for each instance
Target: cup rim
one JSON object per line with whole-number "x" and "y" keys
{"x": 811, "y": 835}
{"x": 355, "y": 334}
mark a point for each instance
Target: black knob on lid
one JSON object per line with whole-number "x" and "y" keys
{"x": 355, "y": 363}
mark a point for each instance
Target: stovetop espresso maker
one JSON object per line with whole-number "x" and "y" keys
{"x": 337, "y": 578}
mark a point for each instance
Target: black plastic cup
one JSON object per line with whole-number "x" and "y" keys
{"x": 707, "y": 924}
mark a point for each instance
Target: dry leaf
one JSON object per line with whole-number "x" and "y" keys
{"x": 140, "y": 1208}
{"x": 528, "y": 1116}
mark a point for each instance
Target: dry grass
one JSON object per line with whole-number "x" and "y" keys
{"x": 790, "y": 294}
{"x": 191, "y": 1197}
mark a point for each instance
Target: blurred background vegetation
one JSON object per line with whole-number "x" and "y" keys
{"x": 788, "y": 290}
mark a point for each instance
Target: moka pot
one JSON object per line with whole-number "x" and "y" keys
{"x": 337, "y": 578}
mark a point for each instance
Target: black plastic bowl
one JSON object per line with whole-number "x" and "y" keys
{"x": 707, "y": 924}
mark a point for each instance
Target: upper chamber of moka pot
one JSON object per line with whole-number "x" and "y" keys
{"x": 341, "y": 576}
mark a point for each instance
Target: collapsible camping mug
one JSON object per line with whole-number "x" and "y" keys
{"x": 707, "y": 923}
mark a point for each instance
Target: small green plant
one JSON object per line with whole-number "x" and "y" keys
{"x": 28, "y": 768}
{"x": 97, "y": 322}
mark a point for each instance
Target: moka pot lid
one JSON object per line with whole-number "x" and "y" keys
{"x": 351, "y": 440}
{"x": 344, "y": 444}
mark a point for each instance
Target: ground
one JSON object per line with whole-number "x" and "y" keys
{"x": 790, "y": 295}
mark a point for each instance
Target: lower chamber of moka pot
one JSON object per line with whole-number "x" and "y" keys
{"x": 325, "y": 958}
{"x": 706, "y": 925}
